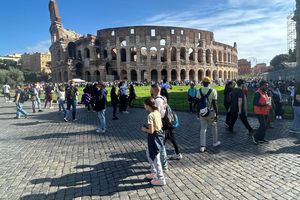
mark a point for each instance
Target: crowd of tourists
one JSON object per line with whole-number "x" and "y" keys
{"x": 268, "y": 96}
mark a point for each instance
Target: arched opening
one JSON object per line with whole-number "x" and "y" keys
{"x": 96, "y": 75}
{"x": 200, "y": 75}
{"x": 123, "y": 43}
{"x": 173, "y": 75}
{"x": 123, "y": 55}
{"x": 143, "y": 54}
{"x": 208, "y": 73}
{"x": 87, "y": 76}
{"x": 208, "y": 56}
{"x": 58, "y": 54}
{"x": 224, "y": 57}
{"x": 182, "y": 75}
{"x": 215, "y": 59}
{"x": 163, "y": 55}
{"x": 200, "y": 55}
{"x": 182, "y": 53}
{"x": 164, "y": 74}
{"x": 220, "y": 75}
{"x": 115, "y": 74}
{"x": 229, "y": 75}
{"x": 108, "y": 68}
{"x": 163, "y": 42}
{"x": 173, "y": 54}
{"x": 124, "y": 75}
{"x": 65, "y": 78}
{"x": 144, "y": 75}
{"x": 59, "y": 77}
{"x": 154, "y": 75}
{"x": 98, "y": 52}
{"x": 220, "y": 56}
{"x": 78, "y": 70}
{"x": 215, "y": 75}
{"x": 114, "y": 54}
{"x": 133, "y": 52}
{"x": 133, "y": 75}
{"x": 229, "y": 58}
{"x": 153, "y": 53}
{"x": 79, "y": 55}
{"x": 191, "y": 54}
{"x": 72, "y": 50}
{"x": 105, "y": 53}
{"x": 192, "y": 75}
{"x": 225, "y": 75}
{"x": 87, "y": 53}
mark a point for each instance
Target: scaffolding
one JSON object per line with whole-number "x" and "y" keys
{"x": 291, "y": 32}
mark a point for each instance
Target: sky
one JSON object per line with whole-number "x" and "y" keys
{"x": 258, "y": 26}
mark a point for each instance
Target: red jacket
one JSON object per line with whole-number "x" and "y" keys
{"x": 264, "y": 108}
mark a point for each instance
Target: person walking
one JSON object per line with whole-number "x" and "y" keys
{"x": 209, "y": 118}
{"x": 100, "y": 106}
{"x": 238, "y": 107}
{"x": 6, "y": 92}
{"x": 295, "y": 128}
{"x": 192, "y": 97}
{"x": 132, "y": 95}
{"x": 19, "y": 101}
{"x": 155, "y": 142}
{"x": 61, "y": 96}
{"x": 227, "y": 100}
{"x": 277, "y": 99}
{"x": 114, "y": 102}
{"x": 71, "y": 98}
{"x": 123, "y": 97}
{"x": 262, "y": 106}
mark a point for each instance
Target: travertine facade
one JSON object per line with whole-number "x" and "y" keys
{"x": 36, "y": 62}
{"x": 139, "y": 53}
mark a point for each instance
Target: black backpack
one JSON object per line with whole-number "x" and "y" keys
{"x": 203, "y": 101}
{"x": 24, "y": 96}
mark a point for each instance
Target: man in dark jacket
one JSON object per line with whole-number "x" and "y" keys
{"x": 100, "y": 106}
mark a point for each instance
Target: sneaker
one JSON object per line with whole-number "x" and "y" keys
{"x": 125, "y": 112}
{"x": 254, "y": 140}
{"x": 115, "y": 118}
{"x": 280, "y": 117}
{"x": 175, "y": 157}
{"x": 16, "y": 117}
{"x": 158, "y": 181}
{"x": 65, "y": 119}
{"x": 202, "y": 149}
{"x": 216, "y": 144}
{"x": 277, "y": 117}
{"x": 75, "y": 120}
{"x": 40, "y": 111}
{"x": 151, "y": 176}
{"x": 293, "y": 131}
{"x": 263, "y": 141}
{"x": 165, "y": 168}
{"x": 99, "y": 131}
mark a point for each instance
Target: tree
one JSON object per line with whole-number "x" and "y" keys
{"x": 12, "y": 76}
{"x": 277, "y": 61}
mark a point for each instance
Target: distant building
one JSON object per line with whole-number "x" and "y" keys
{"x": 244, "y": 67}
{"x": 260, "y": 68}
{"x": 36, "y": 62}
{"x": 14, "y": 57}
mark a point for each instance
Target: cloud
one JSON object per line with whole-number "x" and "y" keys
{"x": 258, "y": 27}
{"x": 41, "y": 46}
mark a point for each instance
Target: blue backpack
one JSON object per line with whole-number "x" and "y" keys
{"x": 170, "y": 120}
{"x": 202, "y": 105}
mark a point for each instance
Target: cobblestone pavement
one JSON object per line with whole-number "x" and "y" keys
{"x": 44, "y": 158}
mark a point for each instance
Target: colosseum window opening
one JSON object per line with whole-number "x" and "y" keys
{"x": 163, "y": 53}
{"x": 87, "y": 75}
{"x": 97, "y": 75}
{"x": 173, "y": 54}
{"x": 154, "y": 75}
{"x": 105, "y": 53}
{"x": 192, "y": 75}
{"x": 173, "y": 75}
{"x": 199, "y": 35}
{"x": 220, "y": 75}
{"x": 153, "y": 53}
{"x": 133, "y": 54}
{"x": 58, "y": 55}
{"x": 215, "y": 59}
{"x": 172, "y": 31}
{"x": 152, "y": 32}
{"x": 79, "y": 55}
{"x": 144, "y": 54}
{"x": 181, "y": 32}
{"x": 72, "y": 50}
{"x": 200, "y": 75}
{"x": 123, "y": 43}
{"x": 123, "y": 75}
{"x": 133, "y": 75}
{"x": 220, "y": 56}
{"x": 98, "y": 52}
{"x": 164, "y": 74}
{"x": 113, "y": 33}
{"x": 113, "y": 54}
{"x": 191, "y": 54}
{"x": 86, "y": 53}
{"x": 78, "y": 70}
{"x": 182, "y": 75}
{"x": 208, "y": 56}
{"x": 208, "y": 73}
{"x": 163, "y": 42}
{"x": 132, "y": 31}
{"x": 225, "y": 57}
{"x": 123, "y": 55}
{"x": 229, "y": 57}
{"x": 182, "y": 53}
{"x": 215, "y": 75}
{"x": 200, "y": 56}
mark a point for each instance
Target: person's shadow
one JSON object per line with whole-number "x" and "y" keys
{"x": 103, "y": 179}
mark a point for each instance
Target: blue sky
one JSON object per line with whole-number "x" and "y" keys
{"x": 258, "y": 26}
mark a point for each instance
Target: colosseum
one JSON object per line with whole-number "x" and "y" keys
{"x": 138, "y": 53}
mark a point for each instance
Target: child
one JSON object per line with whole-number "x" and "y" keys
{"x": 155, "y": 142}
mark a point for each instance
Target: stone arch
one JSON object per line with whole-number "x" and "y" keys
{"x": 133, "y": 54}
{"x": 153, "y": 53}
{"x": 72, "y": 50}
{"x": 124, "y": 75}
{"x": 200, "y": 55}
{"x": 144, "y": 75}
{"x": 200, "y": 75}
{"x": 79, "y": 55}
{"x": 123, "y": 55}
{"x": 191, "y": 54}
{"x": 182, "y": 75}
{"x": 229, "y": 58}
{"x": 173, "y": 54}
{"x": 215, "y": 75}
{"x": 208, "y": 56}
{"x": 215, "y": 59}
{"x": 87, "y": 76}
{"x": 208, "y": 73}
{"x": 163, "y": 42}
{"x": 164, "y": 74}
{"x": 144, "y": 54}
{"x": 65, "y": 77}
{"x": 182, "y": 53}
{"x": 96, "y": 75}
{"x": 115, "y": 74}
{"x": 154, "y": 76}
{"x": 192, "y": 75}
{"x": 221, "y": 75}
{"x": 224, "y": 57}
{"x": 87, "y": 53}
{"x": 123, "y": 43}
{"x": 114, "y": 54}
{"x": 78, "y": 70}
{"x": 59, "y": 77}
{"x": 173, "y": 75}
{"x": 220, "y": 56}
{"x": 105, "y": 53}
{"x": 163, "y": 55}
{"x": 133, "y": 75}
{"x": 98, "y": 53}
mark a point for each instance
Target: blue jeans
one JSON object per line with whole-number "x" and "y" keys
{"x": 38, "y": 102}
{"x": 20, "y": 110}
{"x": 296, "y": 121}
{"x": 263, "y": 125}
{"x": 61, "y": 106}
{"x": 73, "y": 103}
{"x": 102, "y": 121}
